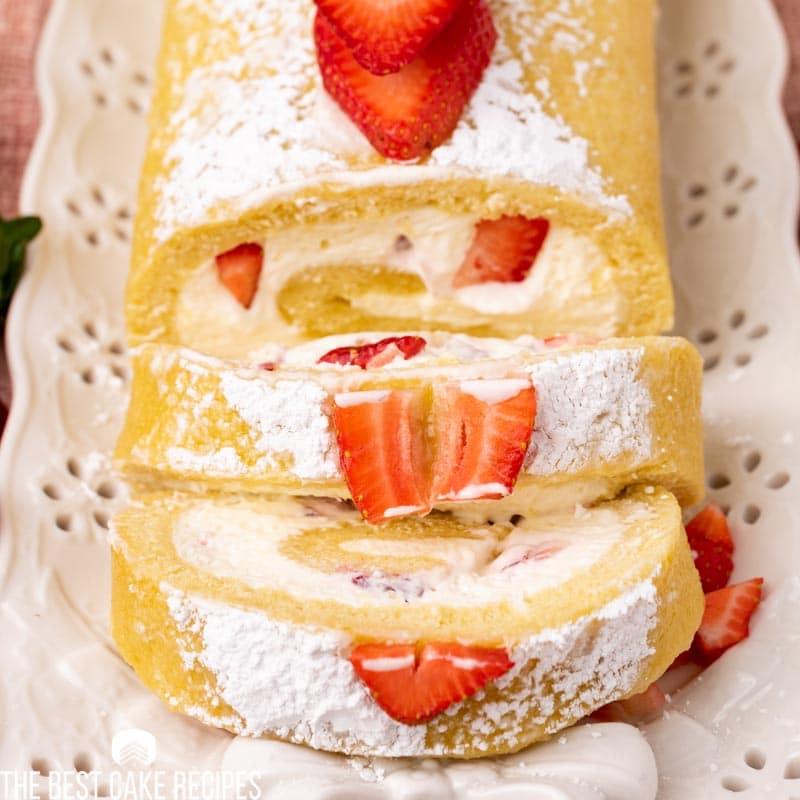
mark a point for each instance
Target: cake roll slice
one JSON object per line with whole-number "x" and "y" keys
{"x": 266, "y": 213}
{"x": 404, "y": 424}
{"x": 437, "y": 636}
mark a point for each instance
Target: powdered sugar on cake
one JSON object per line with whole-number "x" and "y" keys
{"x": 289, "y": 420}
{"x": 250, "y": 123}
{"x": 297, "y": 683}
{"x": 591, "y": 407}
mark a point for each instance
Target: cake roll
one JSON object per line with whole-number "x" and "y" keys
{"x": 293, "y": 618}
{"x": 269, "y": 209}
{"x": 505, "y": 424}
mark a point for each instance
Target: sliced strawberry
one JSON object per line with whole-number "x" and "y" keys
{"x": 523, "y": 553}
{"x": 376, "y": 354}
{"x": 503, "y": 250}
{"x": 710, "y": 540}
{"x": 407, "y": 114}
{"x": 726, "y": 619}
{"x": 239, "y": 270}
{"x": 385, "y": 36}
{"x": 382, "y": 451}
{"x": 636, "y": 710}
{"x": 398, "y": 460}
{"x": 482, "y": 432}
{"x": 413, "y": 686}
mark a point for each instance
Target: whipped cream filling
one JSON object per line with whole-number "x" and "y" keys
{"x": 567, "y": 267}
{"x": 280, "y": 544}
{"x": 440, "y": 348}
{"x": 427, "y": 242}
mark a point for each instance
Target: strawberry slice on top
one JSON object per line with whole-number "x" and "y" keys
{"x": 414, "y": 685}
{"x": 376, "y": 354}
{"x": 712, "y": 546}
{"x": 239, "y": 270}
{"x": 385, "y": 36}
{"x": 382, "y": 451}
{"x": 482, "y": 432}
{"x": 408, "y": 114}
{"x": 503, "y": 250}
{"x": 726, "y": 620}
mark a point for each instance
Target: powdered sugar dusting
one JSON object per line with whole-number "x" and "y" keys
{"x": 224, "y": 461}
{"x": 290, "y": 419}
{"x": 505, "y": 131}
{"x": 291, "y": 681}
{"x": 249, "y": 126}
{"x": 587, "y": 664}
{"x": 297, "y": 683}
{"x": 590, "y": 405}
{"x": 591, "y": 408}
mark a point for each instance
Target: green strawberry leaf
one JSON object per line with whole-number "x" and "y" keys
{"x": 15, "y": 234}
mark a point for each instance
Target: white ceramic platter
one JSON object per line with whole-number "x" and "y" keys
{"x": 731, "y": 195}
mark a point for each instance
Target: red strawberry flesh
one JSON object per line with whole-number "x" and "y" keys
{"x": 382, "y": 451}
{"x": 483, "y": 429}
{"x": 503, "y": 250}
{"x": 376, "y": 354}
{"x": 726, "y": 620}
{"x": 399, "y": 458}
{"x": 712, "y": 545}
{"x": 239, "y": 270}
{"x": 385, "y": 36}
{"x": 408, "y": 114}
{"x": 413, "y": 686}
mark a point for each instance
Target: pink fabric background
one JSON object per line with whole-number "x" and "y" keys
{"x": 21, "y": 21}
{"x": 790, "y": 14}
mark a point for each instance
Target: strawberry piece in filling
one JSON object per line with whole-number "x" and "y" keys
{"x": 387, "y": 35}
{"x": 382, "y": 451}
{"x": 239, "y": 270}
{"x": 408, "y": 114}
{"x": 482, "y": 430}
{"x": 402, "y": 451}
{"x": 375, "y": 354}
{"x": 413, "y": 685}
{"x": 524, "y": 553}
{"x": 503, "y": 250}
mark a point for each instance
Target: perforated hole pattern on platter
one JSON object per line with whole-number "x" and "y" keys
{"x": 758, "y": 770}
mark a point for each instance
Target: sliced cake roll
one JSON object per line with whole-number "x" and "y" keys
{"x": 404, "y": 424}
{"x": 424, "y": 636}
{"x": 505, "y": 181}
